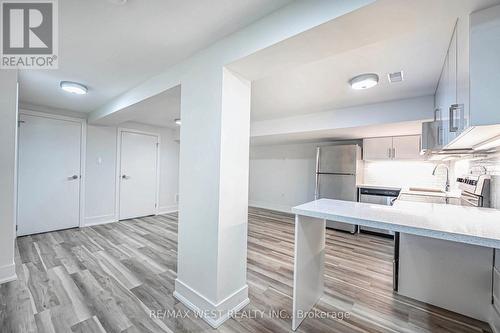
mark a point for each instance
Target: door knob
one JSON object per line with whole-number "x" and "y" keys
{"x": 125, "y": 177}
{"x": 74, "y": 177}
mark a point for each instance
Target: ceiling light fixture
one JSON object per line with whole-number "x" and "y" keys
{"x": 364, "y": 81}
{"x": 74, "y": 87}
{"x": 178, "y": 121}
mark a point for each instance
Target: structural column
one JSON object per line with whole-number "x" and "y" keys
{"x": 213, "y": 207}
{"x": 8, "y": 166}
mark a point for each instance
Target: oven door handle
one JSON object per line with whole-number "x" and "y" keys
{"x": 470, "y": 200}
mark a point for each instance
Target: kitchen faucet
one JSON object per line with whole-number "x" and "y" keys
{"x": 447, "y": 188}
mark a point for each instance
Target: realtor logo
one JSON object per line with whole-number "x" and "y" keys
{"x": 29, "y": 32}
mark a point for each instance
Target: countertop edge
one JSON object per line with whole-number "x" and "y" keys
{"x": 456, "y": 237}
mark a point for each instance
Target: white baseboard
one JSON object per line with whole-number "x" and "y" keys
{"x": 271, "y": 206}
{"x": 8, "y": 273}
{"x": 167, "y": 209}
{"x": 97, "y": 220}
{"x": 495, "y": 317}
{"x": 495, "y": 325}
{"x": 214, "y": 314}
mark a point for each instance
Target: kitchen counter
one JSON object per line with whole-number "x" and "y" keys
{"x": 459, "y": 224}
{"x": 452, "y": 194}
{"x": 382, "y": 187}
{"x": 471, "y": 225}
{"x": 411, "y": 190}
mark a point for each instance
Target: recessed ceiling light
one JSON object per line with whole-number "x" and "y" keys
{"x": 74, "y": 87}
{"x": 178, "y": 121}
{"x": 364, "y": 81}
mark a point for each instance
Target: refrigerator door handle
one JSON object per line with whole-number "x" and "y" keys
{"x": 318, "y": 152}
{"x": 316, "y": 188}
{"x": 316, "y": 191}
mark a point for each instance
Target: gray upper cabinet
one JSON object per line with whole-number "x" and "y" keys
{"x": 377, "y": 149}
{"x": 392, "y": 148}
{"x": 485, "y": 67}
{"x": 467, "y": 101}
{"x": 454, "y": 109}
{"x": 448, "y": 108}
{"x": 463, "y": 71}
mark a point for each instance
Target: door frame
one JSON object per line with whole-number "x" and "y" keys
{"x": 83, "y": 149}
{"x": 119, "y": 132}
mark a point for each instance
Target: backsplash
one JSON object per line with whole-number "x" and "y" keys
{"x": 419, "y": 174}
{"x": 404, "y": 174}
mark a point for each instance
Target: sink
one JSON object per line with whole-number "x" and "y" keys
{"x": 429, "y": 198}
{"x": 423, "y": 189}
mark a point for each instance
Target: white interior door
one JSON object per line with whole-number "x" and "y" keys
{"x": 49, "y": 174}
{"x": 138, "y": 175}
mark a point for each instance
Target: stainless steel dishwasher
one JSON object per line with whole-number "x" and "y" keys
{"x": 383, "y": 196}
{"x": 379, "y": 196}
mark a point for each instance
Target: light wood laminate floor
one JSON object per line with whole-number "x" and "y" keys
{"x": 107, "y": 279}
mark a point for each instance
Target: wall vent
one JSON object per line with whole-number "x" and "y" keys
{"x": 395, "y": 77}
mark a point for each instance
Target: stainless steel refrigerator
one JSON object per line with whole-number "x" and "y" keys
{"x": 338, "y": 171}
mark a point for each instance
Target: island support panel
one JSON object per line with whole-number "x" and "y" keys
{"x": 308, "y": 280}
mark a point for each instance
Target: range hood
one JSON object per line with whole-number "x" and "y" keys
{"x": 468, "y": 142}
{"x": 473, "y": 137}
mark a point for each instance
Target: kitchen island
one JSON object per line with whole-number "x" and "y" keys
{"x": 467, "y": 225}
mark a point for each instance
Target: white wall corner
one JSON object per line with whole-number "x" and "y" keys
{"x": 215, "y": 314}
{"x": 495, "y": 318}
{"x": 270, "y": 206}
{"x": 168, "y": 209}
{"x": 102, "y": 219}
{"x": 8, "y": 273}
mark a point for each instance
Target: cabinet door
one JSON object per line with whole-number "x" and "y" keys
{"x": 406, "y": 147}
{"x": 377, "y": 149}
{"x": 462, "y": 32}
{"x": 444, "y": 100}
{"x": 439, "y": 112}
{"x": 485, "y": 67}
{"x": 455, "y": 112}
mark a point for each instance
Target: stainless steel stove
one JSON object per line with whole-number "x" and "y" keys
{"x": 475, "y": 190}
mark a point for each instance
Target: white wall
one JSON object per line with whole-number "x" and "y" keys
{"x": 233, "y": 201}
{"x": 101, "y": 171}
{"x": 404, "y": 174}
{"x": 8, "y": 161}
{"x": 282, "y": 176}
{"x": 100, "y": 176}
{"x": 404, "y": 110}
